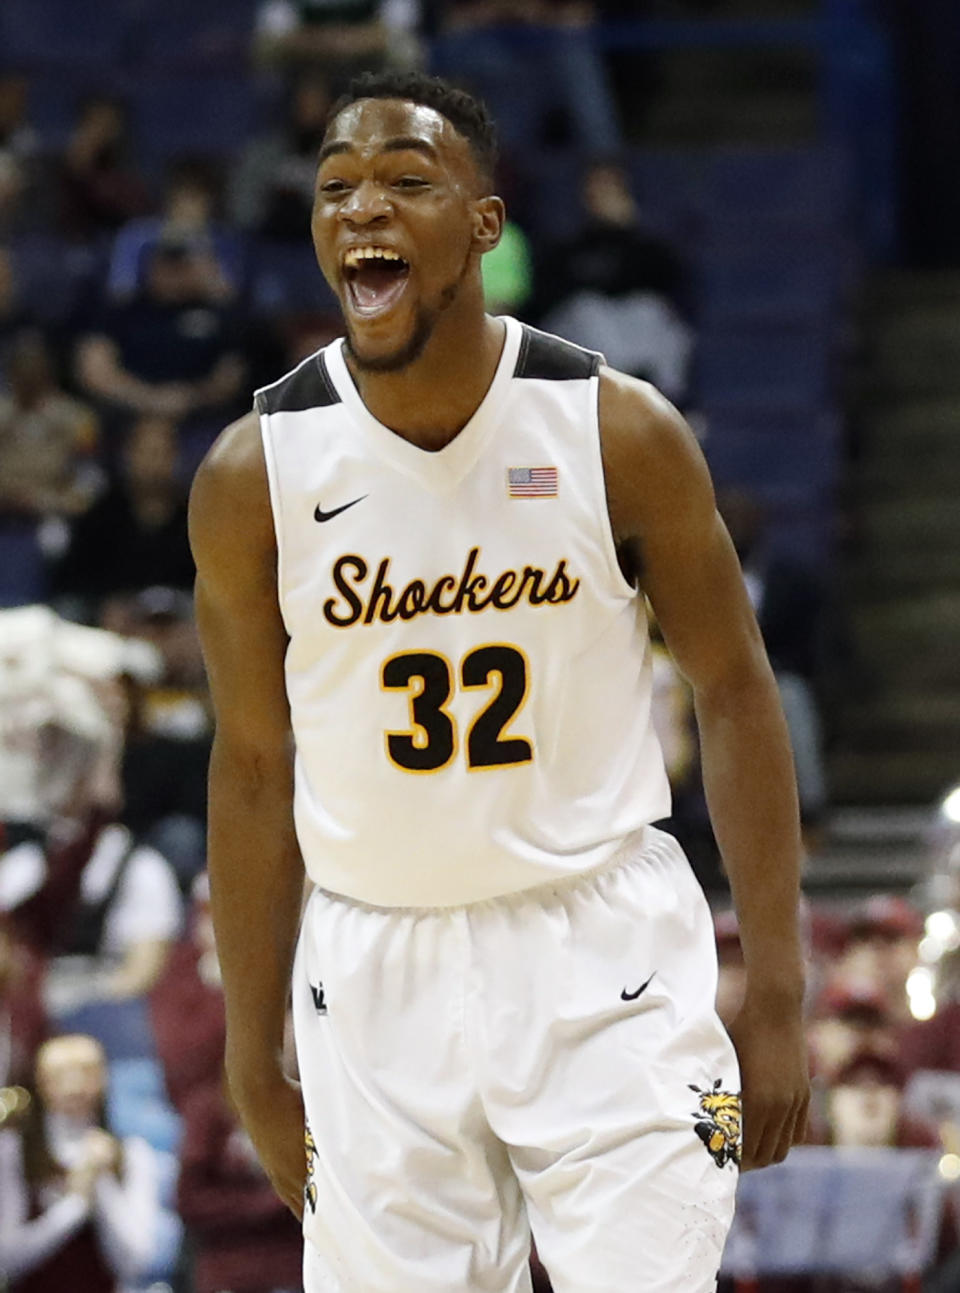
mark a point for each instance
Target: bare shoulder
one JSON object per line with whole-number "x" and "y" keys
{"x": 230, "y": 498}
{"x": 653, "y": 466}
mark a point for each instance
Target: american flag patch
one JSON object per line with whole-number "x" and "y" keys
{"x": 532, "y": 482}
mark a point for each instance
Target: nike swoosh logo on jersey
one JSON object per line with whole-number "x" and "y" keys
{"x": 320, "y": 515}
{"x": 632, "y": 996}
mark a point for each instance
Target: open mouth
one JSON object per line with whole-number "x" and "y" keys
{"x": 375, "y": 278}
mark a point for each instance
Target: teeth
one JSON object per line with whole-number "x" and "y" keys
{"x": 357, "y": 254}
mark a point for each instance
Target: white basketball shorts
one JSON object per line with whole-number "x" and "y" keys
{"x": 548, "y": 1061}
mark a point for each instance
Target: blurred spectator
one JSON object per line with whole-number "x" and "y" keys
{"x": 78, "y": 1208}
{"x": 84, "y": 892}
{"x": 881, "y": 950}
{"x": 934, "y": 1044}
{"x": 17, "y": 136}
{"x": 47, "y": 438}
{"x": 99, "y": 188}
{"x": 865, "y": 1107}
{"x": 13, "y": 186}
{"x": 186, "y": 1007}
{"x": 789, "y": 605}
{"x": 20, "y": 174}
{"x": 272, "y": 188}
{"x": 14, "y": 314}
{"x": 191, "y": 213}
{"x": 135, "y": 535}
{"x": 58, "y": 680}
{"x": 341, "y": 38}
{"x": 167, "y": 746}
{"x": 172, "y": 350}
{"x": 849, "y": 1018}
{"x": 616, "y": 288}
{"x": 245, "y": 1240}
{"x": 538, "y": 67}
{"x": 23, "y": 1019}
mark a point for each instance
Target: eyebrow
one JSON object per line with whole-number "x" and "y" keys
{"x": 398, "y": 144}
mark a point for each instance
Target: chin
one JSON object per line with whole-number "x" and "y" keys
{"x": 390, "y": 356}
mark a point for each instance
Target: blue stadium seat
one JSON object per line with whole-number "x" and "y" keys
{"x": 671, "y": 179}
{"x": 181, "y": 32}
{"x": 211, "y": 113}
{"x": 808, "y": 184}
{"x": 838, "y": 1212}
{"x": 53, "y": 275}
{"x": 48, "y": 32}
{"x": 23, "y": 577}
{"x": 137, "y": 1103}
{"x": 794, "y": 453}
{"x": 122, "y": 1027}
{"x": 781, "y": 275}
{"x": 286, "y": 279}
{"x": 763, "y": 366}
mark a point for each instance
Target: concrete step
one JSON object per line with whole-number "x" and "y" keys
{"x": 879, "y": 777}
{"x": 925, "y": 720}
{"x": 866, "y": 849}
{"x": 918, "y": 350}
{"x": 901, "y": 423}
{"x": 896, "y": 573}
{"x": 910, "y": 642}
{"x": 921, "y": 473}
{"x": 921, "y": 523}
{"x": 897, "y": 291}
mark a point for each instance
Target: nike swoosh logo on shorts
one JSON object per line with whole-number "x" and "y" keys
{"x": 320, "y": 515}
{"x": 632, "y": 996}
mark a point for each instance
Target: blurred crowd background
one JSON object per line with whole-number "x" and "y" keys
{"x": 752, "y": 203}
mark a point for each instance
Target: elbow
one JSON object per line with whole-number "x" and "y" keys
{"x": 254, "y": 769}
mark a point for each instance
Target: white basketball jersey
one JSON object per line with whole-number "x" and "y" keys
{"x": 469, "y": 673}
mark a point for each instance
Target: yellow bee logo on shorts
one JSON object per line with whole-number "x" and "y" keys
{"x": 718, "y": 1124}
{"x": 310, "y": 1189}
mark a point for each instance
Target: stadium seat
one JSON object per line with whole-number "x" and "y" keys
{"x": 757, "y": 366}
{"x": 791, "y": 452}
{"x": 838, "y": 1212}
{"x": 768, "y": 278}
{"x": 121, "y": 1027}
{"x": 137, "y": 1103}
{"x": 808, "y": 184}
{"x": 177, "y": 113}
{"x": 287, "y": 279}
{"x": 182, "y": 33}
{"x": 23, "y": 577}
{"x": 59, "y": 32}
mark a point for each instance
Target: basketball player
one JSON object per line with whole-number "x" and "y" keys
{"x": 421, "y": 563}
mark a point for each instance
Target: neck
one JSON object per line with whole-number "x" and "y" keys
{"x": 433, "y": 398}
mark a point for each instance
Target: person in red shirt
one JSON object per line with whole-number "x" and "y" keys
{"x": 245, "y": 1239}
{"x": 23, "y": 1020}
{"x": 78, "y": 1207}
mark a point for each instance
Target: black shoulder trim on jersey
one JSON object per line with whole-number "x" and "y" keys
{"x": 550, "y": 359}
{"x": 307, "y": 387}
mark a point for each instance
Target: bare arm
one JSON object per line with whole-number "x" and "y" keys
{"x": 139, "y": 970}
{"x": 663, "y": 513}
{"x": 256, "y": 873}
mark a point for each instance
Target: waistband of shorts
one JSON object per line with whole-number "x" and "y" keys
{"x": 632, "y": 849}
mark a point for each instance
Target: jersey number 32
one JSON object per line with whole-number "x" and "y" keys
{"x": 431, "y": 742}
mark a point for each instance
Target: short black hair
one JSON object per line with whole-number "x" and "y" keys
{"x": 467, "y": 114}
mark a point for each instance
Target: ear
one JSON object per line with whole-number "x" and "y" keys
{"x": 489, "y": 216}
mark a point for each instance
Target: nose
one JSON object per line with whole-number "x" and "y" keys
{"x": 368, "y": 204}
